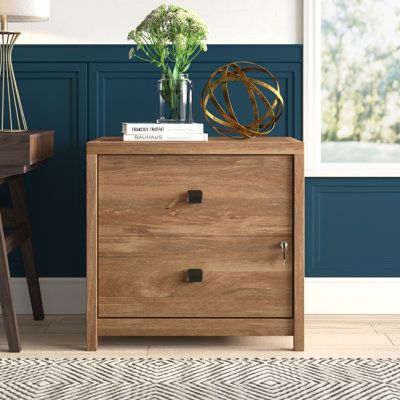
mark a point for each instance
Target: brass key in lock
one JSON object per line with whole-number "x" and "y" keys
{"x": 171, "y": 207}
{"x": 284, "y": 248}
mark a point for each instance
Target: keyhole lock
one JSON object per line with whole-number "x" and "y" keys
{"x": 284, "y": 248}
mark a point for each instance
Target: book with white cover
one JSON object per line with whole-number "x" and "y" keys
{"x": 166, "y": 137}
{"x": 129, "y": 128}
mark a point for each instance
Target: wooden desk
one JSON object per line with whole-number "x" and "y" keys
{"x": 19, "y": 154}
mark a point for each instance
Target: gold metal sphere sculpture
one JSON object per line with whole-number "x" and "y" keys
{"x": 226, "y": 123}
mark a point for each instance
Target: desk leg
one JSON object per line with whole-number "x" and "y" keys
{"x": 18, "y": 197}
{"x": 6, "y": 298}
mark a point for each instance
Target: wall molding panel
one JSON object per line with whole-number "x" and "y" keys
{"x": 86, "y": 91}
{"x": 352, "y": 227}
{"x": 101, "y": 53}
{"x": 115, "y": 87}
{"x": 54, "y": 96}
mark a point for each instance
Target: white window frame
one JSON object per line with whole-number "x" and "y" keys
{"x": 312, "y": 108}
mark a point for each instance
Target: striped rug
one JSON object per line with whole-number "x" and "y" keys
{"x": 199, "y": 379}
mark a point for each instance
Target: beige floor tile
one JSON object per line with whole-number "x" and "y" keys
{"x": 74, "y": 319}
{"x": 217, "y": 353}
{"x": 375, "y": 340}
{"x": 48, "y": 343}
{"x": 70, "y": 346}
{"x": 344, "y": 317}
{"x": 47, "y": 317}
{"x": 219, "y": 347}
{"x": 37, "y": 328}
{"x": 68, "y": 324}
{"x": 123, "y": 343}
{"x": 394, "y": 338}
{"x": 65, "y": 328}
{"x": 389, "y": 326}
{"x": 219, "y": 341}
{"x": 326, "y": 336}
{"x": 329, "y": 344}
{"x": 333, "y": 327}
{"x": 245, "y": 353}
{"x": 27, "y": 324}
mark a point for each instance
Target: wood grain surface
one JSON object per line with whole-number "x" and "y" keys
{"x": 144, "y": 276}
{"x": 195, "y": 327}
{"x": 242, "y": 195}
{"x": 25, "y": 148}
{"x": 215, "y": 145}
{"x": 91, "y": 254}
{"x": 298, "y": 217}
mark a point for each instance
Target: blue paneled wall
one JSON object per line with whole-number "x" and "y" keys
{"x": 85, "y": 91}
{"x": 353, "y": 227}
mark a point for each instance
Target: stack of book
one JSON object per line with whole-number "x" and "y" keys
{"x": 154, "y": 132}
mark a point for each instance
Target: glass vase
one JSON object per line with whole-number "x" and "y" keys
{"x": 175, "y": 99}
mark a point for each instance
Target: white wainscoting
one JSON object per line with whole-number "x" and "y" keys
{"x": 352, "y": 296}
{"x": 59, "y": 295}
{"x": 322, "y": 295}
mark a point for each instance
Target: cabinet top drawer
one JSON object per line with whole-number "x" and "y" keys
{"x": 268, "y": 145}
{"x": 242, "y": 195}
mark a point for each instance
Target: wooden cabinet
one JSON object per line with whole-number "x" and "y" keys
{"x": 144, "y": 235}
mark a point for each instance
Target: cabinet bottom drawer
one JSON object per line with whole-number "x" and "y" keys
{"x": 147, "y": 278}
{"x": 195, "y": 326}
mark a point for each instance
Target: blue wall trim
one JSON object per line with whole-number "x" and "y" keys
{"x": 291, "y": 53}
{"x": 85, "y": 91}
{"x": 353, "y": 227}
{"x": 114, "y": 87}
{"x": 55, "y": 97}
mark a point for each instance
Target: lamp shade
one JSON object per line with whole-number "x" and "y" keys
{"x": 25, "y": 10}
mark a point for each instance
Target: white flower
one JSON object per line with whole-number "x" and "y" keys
{"x": 165, "y": 25}
{"x": 180, "y": 42}
{"x": 203, "y": 46}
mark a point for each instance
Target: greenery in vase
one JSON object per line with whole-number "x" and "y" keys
{"x": 170, "y": 37}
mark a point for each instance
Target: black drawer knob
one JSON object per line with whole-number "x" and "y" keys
{"x": 194, "y": 275}
{"x": 194, "y": 196}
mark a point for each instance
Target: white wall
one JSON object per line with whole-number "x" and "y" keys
{"x": 109, "y": 21}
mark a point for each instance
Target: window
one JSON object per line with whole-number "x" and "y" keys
{"x": 352, "y": 87}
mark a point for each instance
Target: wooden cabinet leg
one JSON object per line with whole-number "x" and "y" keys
{"x": 18, "y": 197}
{"x": 298, "y": 341}
{"x": 298, "y": 254}
{"x": 92, "y": 341}
{"x": 6, "y": 298}
{"x": 91, "y": 255}
{"x": 298, "y": 335}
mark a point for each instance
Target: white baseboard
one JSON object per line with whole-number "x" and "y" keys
{"x": 59, "y": 295}
{"x": 322, "y": 295}
{"x": 352, "y": 295}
